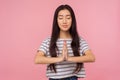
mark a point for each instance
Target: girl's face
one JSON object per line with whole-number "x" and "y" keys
{"x": 64, "y": 20}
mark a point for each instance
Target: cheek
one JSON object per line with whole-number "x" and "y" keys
{"x": 59, "y": 22}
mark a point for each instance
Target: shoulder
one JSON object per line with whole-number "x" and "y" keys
{"x": 47, "y": 40}
{"x": 81, "y": 38}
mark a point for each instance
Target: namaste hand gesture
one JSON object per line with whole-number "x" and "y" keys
{"x": 65, "y": 51}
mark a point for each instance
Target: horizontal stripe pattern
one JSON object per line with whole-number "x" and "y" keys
{"x": 64, "y": 69}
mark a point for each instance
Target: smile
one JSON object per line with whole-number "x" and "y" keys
{"x": 65, "y": 26}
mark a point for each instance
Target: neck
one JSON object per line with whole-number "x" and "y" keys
{"x": 64, "y": 35}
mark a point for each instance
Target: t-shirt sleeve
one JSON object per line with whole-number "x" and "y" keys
{"x": 83, "y": 46}
{"x": 44, "y": 46}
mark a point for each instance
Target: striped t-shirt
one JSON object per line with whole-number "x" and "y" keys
{"x": 64, "y": 69}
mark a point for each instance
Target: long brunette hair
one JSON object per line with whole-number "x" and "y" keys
{"x": 73, "y": 32}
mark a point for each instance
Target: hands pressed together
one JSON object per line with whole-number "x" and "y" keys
{"x": 64, "y": 52}
{"x": 88, "y": 57}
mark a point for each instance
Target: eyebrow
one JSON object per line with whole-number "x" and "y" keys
{"x": 62, "y": 15}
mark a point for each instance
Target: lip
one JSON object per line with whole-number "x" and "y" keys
{"x": 65, "y": 26}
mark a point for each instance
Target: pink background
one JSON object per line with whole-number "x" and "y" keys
{"x": 25, "y": 23}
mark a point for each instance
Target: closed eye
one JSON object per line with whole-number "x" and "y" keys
{"x": 60, "y": 18}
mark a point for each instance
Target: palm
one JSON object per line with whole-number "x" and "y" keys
{"x": 65, "y": 52}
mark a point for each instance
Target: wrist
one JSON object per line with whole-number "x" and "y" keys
{"x": 69, "y": 58}
{"x": 60, "y": 59}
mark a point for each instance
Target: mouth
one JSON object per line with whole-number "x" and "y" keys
{"x": 65, "y": 26}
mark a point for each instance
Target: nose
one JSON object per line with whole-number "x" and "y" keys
{"x": 64, "y": 21}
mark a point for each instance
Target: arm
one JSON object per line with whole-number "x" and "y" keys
{"x": 88, "y": 57}
{"x": 40, "y": 58}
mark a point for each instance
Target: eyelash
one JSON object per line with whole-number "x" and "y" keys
{"x": 62, "y": 18}
{"x": 68, "y": 18}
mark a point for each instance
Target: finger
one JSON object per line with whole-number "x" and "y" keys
{"x": 65, "y": 50}
{"x": 65, "y": 43}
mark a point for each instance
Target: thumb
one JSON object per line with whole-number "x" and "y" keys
{"x": 65, "y": 43}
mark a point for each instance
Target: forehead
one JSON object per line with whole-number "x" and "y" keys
{"x": 64, "y": 12}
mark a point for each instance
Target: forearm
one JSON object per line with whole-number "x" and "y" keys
{"x": 81, "y": 59}
{"x": 47, "y": 60}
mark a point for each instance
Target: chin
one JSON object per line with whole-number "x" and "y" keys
{"x": 65, "y": 30}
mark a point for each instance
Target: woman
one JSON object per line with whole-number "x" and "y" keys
{"x": 65, "y": 51}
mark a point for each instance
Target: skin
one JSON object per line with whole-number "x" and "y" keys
{"x": 64, "y": 21}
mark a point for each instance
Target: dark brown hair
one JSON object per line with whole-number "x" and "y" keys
{"x": 73, "y": 32}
